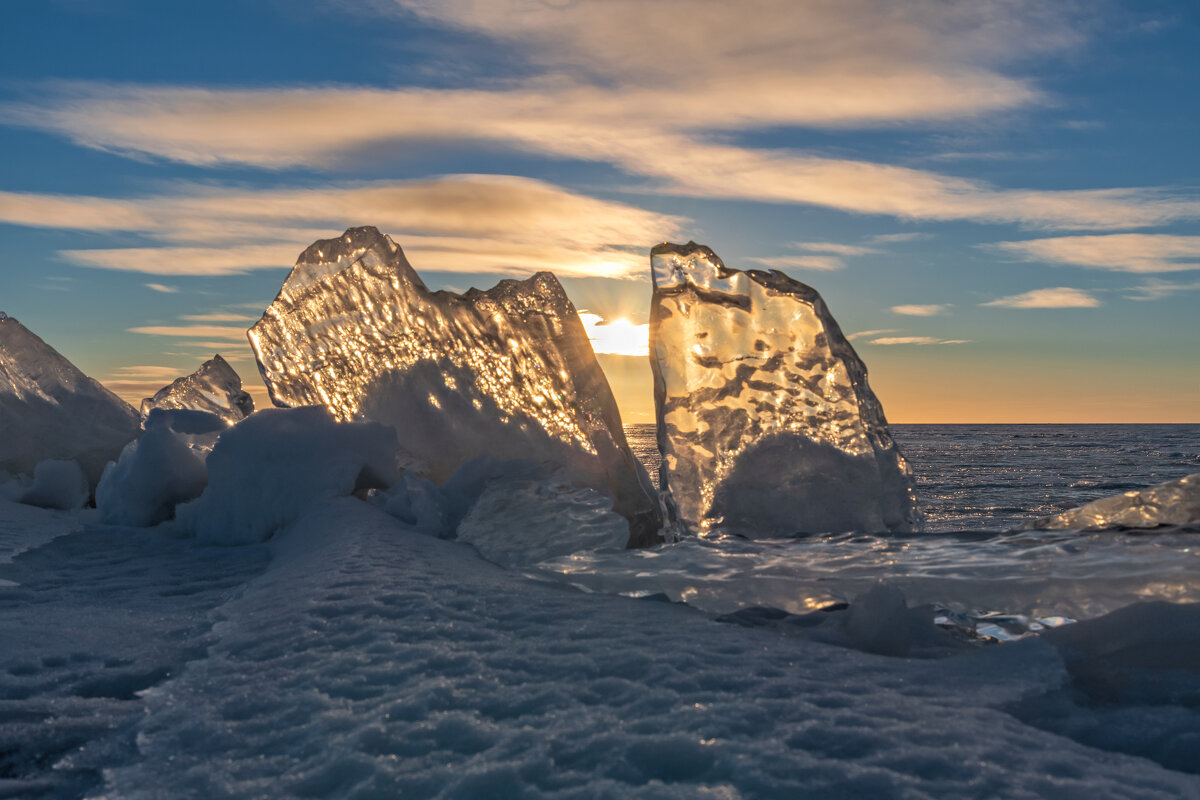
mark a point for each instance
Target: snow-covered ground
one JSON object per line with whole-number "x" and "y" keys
{"x": 351, "y": 656}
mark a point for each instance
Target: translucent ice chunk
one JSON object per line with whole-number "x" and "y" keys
{"x": 51, "y": 410}
{"x": 766, "y": 423}
{"x": 519, "y": 522}
{"x": 215, "y": 387}
{"x": 507, "y": 372}
{"x": 1171, "y": 503}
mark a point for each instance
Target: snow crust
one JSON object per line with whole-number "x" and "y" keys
{"x": 507, "y": 373}
{"x": 215, "y": 388}
{"x": 1175, "y": 502}
{"x": 51, "y": 410}
{"x": 159, "y": 471}
{"x": 766, "y": 423}
{"x": 267, "y": 470}
{"x": 354, "y": 657}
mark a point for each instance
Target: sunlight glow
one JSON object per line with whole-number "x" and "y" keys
{"x": 618, "y": 337}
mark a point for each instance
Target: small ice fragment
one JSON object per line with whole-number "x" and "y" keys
{"x": 215, "y": 387}
{"x": 1172, "y": 503}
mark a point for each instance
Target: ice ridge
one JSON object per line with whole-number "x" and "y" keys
{"x": 50, "y": 410}
{"x": 507, "y": 372}
{"x": 766, "y": 423}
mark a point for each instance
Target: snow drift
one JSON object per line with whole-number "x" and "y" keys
{"x": 268, "y": 469}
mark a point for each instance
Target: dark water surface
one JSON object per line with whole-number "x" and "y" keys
{"x": 996, "y": 477}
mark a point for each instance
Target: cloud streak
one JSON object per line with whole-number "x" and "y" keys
{"x": 916, "y": 340}
{"x": 278, "y": 128}
{"x": 1057, "y": 297}
{"x": 459, "y": 223}
{"x": 1119, "y": 252}
{"x": 931, "y": 310}
{"x": 630, "y": 84}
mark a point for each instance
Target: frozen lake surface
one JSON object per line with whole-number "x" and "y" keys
{"x": 351, "y": 656}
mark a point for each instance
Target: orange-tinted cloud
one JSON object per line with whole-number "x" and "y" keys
{"x": 1057, "y": 297}
{"x": 463, "y": 223}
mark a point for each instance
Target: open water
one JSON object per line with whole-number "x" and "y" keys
{"x": 976, "y": 485}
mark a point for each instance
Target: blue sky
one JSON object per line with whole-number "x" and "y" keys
{"x": 999, "y": 201}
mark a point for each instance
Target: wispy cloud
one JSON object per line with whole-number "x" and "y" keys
{"x": 1120, "y": 252}
{"x": 218, "y": 316}
{"x": 1157, "y": 289}
{"x": 135, "y": 382}
{"x": 916, "y": 340}
{"x": 232, "y": 334}
{"x": 921, "y": 311}
{"x": 836, "y": 247}
{"x": 287, "y": 127}
{"x": 895, "y": 238}
{"x": 460, "y": 223}
{"x": 159, "y": 287}
{"x": 1057, "y": 297}
{"x": 600, "y": 68}
{"x": 824, "y": 256}
{"x": 868, "y": 334}
{"x": 817, "y": 262}
{"x": 148, "y": 372}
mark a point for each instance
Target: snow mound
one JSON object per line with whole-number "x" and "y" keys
{"x": 215, "y": 387}
{"x": 508, "y": 372}
{"x": 57, "y": 483}
{"x": 766, "y": 423}
{"x": 51, "y": 410}
{"x": 159, "y": 471}
{"x": 268, "y": 469}
{"x": 418, "y": 503}
{"x": 1172, "y": 503}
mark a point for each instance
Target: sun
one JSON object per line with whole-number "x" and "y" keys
{"x": 618, "y": 337}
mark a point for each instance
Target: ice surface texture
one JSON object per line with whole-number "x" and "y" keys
{"x": 351, "y": 657}
{"x": 51, "y": 410}
{"x": 215, "y": 387}
{"x": 766, "y": 423}
{"x": 1171, "y": 503}
{"x": 507, "y": 372}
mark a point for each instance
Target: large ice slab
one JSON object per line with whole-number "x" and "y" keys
{"x": 766, "y": 423}
{"x": 215, "y": 387}
{"x": 1172, "y": 503}
{"x": 51, "y": 410}
{"x": 508, "y": 372}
